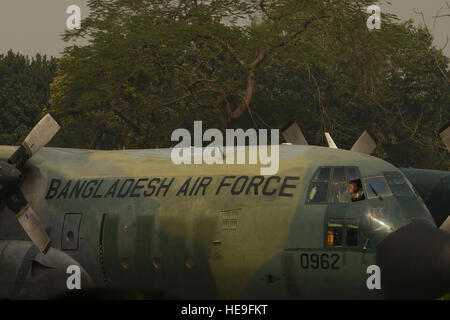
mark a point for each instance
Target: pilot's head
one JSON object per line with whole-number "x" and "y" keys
{"x": 353, "y": 187}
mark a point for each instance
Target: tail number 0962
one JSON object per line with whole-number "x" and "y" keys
{"x": 319, "y": 261}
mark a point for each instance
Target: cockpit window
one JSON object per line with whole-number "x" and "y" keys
{"x": 330, "y": 185}
{"x": 339, "y": 174}
{"x": 318, "y": 192}
{"x": 339, "y": 192}
{"x": 376, "y": 187}
{"x": 323, "y": 174}
{"x": 352, "y": 173}
{"x": 399, "y": 186}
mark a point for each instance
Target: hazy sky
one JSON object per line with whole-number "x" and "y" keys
{"x": 35, "y": 26}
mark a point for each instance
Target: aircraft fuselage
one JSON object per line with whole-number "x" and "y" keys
{"x": 135, "y": 222}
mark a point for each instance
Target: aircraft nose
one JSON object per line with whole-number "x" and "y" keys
{"x": 415, "y": 262}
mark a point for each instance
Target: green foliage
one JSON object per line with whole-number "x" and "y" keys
{"x": 402, "y": 99}
{"x": 153, "y": 66}
{"x": 24, "y": 93}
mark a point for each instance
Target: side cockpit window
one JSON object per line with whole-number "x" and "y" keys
{"x": 318, "y": 191}
{"x": 339, "y": 190}
{"x": 352, "y": 173}
{"x": 331, "y": 185}
{"x": 323, "y": 174}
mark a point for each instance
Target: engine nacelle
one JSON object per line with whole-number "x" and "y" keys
{"x": 26, "y": 273}
{"x": 434, "y": 188}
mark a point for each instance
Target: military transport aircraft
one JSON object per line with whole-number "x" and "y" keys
{"x": 137, "y": 224}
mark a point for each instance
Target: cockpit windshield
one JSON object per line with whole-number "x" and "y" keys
{"x": 376, "y": 187}
{"x": 399, "y": 186}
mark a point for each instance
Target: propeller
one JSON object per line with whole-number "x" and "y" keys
{"x": 330, "y": 141}
{"x": 446, "y": 225}
{"x": 293, "y": 134}
{"x": 11, "y": 176}
{"x": 445, "y": 136}
{"x": 364, "y": 144}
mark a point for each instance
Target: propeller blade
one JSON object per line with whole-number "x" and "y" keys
{"x": 39, "y": 136}
{"x": 11, "y": 175}
{"x": 33, "y": 227}
{"x": 445, "y": 136}
{"x": 364, "y": 144}
{"x": 29, "y": 220}
{"x": 330, "y": 141}
{"x": 446, "y": 225}
{"x": 293, "y": 134}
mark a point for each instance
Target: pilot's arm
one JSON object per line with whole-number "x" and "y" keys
{"x": 358, "y": 195}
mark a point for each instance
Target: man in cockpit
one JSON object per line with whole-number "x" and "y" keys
{"x": 356, "y": 191}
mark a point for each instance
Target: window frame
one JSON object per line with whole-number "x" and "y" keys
{"x": 343, "y": 224}
{"x": 314, "y": 179}
{"x": 330, "y": 182}
{"x": 366, "y": 193}
{"x": 414, "y": 193}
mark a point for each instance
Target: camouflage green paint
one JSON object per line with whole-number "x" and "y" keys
{"x": 195, "y": 245}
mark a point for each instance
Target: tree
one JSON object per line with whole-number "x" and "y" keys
{"x": 153, "y": 66}
{"x": 151, "y": 62}
{"x": 24, "y": 94}
{"x": 403, "y": 101}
